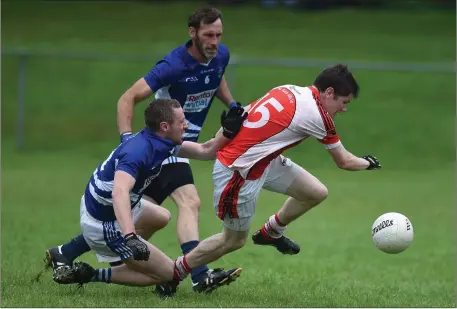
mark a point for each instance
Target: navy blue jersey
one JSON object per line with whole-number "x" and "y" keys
{"x": 141, "y": 156}
{"x": 181, "y": 77}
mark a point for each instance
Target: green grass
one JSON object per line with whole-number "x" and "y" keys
{"x": 338, "y": 266}
{"x": 405, "y": 119}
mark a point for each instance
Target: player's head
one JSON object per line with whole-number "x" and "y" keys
{"x": 166, "y": 118}
{"x": 205, "y": 30}
{"x": 337, "y": 87}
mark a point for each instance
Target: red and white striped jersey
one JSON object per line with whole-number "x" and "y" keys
{"x": 281, "y": 119}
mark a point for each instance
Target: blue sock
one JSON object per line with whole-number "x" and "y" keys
{"x": 102, "y": 275}
{"x": 75, "y": 247}
{"x": 198, "y": 272}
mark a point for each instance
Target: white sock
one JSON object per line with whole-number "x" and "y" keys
{"x": 181, "y": 268}
{"x": 274, "y": 228}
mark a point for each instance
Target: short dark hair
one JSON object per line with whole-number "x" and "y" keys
{"x": 340, "y": 79}
{"x": 206, "y": 15}
{"x": 159, "y": 110}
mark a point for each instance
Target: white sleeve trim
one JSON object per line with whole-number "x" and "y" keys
{"x": 331, "y": 146}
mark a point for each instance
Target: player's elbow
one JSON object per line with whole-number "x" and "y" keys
{"x": 126, "y": 99}
{"x": 119, "y": 193}
{"x": 347, "y": 164}
{"x": 343, "y": 160}
{"x": 342, "y": 164}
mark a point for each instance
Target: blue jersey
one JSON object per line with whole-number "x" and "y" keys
{"x": 141, "y": 156}
{"x": 181, "y": 77}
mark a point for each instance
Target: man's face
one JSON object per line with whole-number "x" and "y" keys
{"x": 207, "y": 38}
{"x": 334, "y": 104}
{"x": 176, "y": 129}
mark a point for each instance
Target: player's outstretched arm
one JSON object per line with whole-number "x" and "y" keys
{"x": 204, "y": 151}
{"x": 347, "y": 161}
{"x": 135, "y": 94}
{"x": 231, "y": 124}
{"x": 123, "y": 183}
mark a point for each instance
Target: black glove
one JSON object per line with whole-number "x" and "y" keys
{"x": 231, "y": 122}
{"x": 125, "y": 136}
{"x": 140, "y": 249}
{"x": 374, "y": 162}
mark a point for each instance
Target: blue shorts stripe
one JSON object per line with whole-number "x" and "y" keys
{"x": 115, "y": 241}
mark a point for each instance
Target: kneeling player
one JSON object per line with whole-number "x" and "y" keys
{"x": 113, "y": 215}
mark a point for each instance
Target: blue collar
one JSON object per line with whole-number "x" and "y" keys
{"x": 153, "y": 135}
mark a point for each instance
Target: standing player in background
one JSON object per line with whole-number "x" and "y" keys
{"x": 192, "y": 74}
{"x": 281, "y": 119}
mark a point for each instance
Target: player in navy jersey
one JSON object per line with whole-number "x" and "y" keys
{"x": 112, "y": 212}
{"x": 192, "y": 74}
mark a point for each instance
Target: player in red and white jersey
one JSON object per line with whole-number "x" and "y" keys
{"x": 281, "y": 119}
{"x": 284, "y": 117}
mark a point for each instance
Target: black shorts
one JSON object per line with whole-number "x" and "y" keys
{"x": 172, "y": 176}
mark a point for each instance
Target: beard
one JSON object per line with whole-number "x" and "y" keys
{"x": 202, "y": 51}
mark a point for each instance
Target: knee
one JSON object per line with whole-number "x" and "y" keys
{"x": 320, "y": 194}
{"x": 234, "y": 243}
{"x": 163, "y": 218}
{"x": 314, "y": 197}
{"x": 192, "y": 204}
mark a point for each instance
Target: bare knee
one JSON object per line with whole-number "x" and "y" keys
{"x": 320, "y": 194}
{"x": 163, "y": 217}
{"x": 234, "y": 242}
{"x": 186, "y": 198}
{"x": 153, "y": 218}
{"x": 192, "y": 204}
{"x": 238, "y": 243}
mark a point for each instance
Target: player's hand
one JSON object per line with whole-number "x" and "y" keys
{"x": 140, "y": 249}
{"x": 231, "y": 122}
{"x": 374, "y": 162}
{"x": 235, "y": 104}
{"x": 125, "y": 136}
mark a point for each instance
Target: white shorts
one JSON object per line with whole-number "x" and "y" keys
{"x": 235, "y": 198}
{"x": 105, "y": 237}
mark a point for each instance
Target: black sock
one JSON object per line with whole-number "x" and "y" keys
{"x": 75, "y": 247}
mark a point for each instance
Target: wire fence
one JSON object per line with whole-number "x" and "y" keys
{"x": 24, "y": 55}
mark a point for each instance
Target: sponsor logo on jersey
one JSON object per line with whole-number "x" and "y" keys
{"x": 206, "y": 71}
{"x": 197, "y": 102}
{"x": 192, "y": 79}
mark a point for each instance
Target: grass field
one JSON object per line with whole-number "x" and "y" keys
{"x": 405, "y": 119}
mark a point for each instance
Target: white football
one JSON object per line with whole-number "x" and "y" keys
{"x": 392, "y": 232}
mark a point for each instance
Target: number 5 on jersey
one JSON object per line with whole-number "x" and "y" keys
{"x": 277, "y": 105}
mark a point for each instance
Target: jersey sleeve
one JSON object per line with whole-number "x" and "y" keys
{"x": 224, "y": 56}
{"x": 130, "y": 161}
{"x": 161, "y": 75}
{"x": 331, "y": 139}
{"x": 321, "y": 126}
